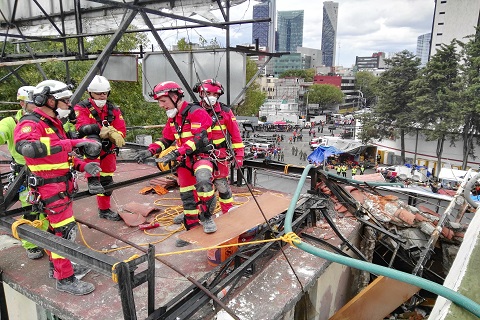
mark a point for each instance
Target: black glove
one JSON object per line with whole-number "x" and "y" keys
{"x": 90, "y": 147}
{"x": 166, "y": 159}
{"x": 92, "y": 168}
{"x": 142, "y": 155}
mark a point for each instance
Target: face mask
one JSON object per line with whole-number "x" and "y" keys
{"x": 210, "y": 100}
{"x": 171, "y": 113}
{"x": 100, "y": 103}
{"x": 62, "y": 113}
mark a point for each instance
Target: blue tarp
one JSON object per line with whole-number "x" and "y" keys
{"x": 321, "y": 153}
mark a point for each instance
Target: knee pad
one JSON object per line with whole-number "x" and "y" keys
{"x": 222, "y": 185}
{"x": 68, "y": 231}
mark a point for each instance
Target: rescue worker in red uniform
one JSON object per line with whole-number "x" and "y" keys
{"x": 99, "y": 119}
{"x": 226, "y": 138}
{"x": 41, "y": 139}
{"x": 189, "y": 126}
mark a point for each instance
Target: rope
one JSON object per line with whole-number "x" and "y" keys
{"x": 114, "y": 271}
{"x": 290, "y": 238}
{"x": 37, "y": 224}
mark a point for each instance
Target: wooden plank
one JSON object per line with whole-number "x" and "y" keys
{"x": 240, "y": 220}
{"x": 377, "y": 300}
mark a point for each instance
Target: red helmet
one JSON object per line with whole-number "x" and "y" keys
{"x": 209, "y": 85}
{"x": 164, "y": 88}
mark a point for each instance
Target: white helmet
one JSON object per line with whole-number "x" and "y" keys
{"x": 99, "y": 84}
{"x": 57, "y": 89}
{"x": 25, "y": 93}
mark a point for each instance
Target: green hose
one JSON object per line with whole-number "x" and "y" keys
{"x": 428, "y": 285}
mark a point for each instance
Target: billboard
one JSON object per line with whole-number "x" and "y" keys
{"x": 195, "y": 66}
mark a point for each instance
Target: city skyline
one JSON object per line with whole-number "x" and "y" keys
{"x": 363, "y": 27}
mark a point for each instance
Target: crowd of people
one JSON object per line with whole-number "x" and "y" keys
{"x": 48, "y": 134}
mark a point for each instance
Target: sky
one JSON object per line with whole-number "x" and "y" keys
{"x": 364, "y": 26}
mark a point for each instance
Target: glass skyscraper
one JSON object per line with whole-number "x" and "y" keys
{"x": 290, "y": 30}
{"x": 423, "y": 48}
{"x": 260, "y": 29}
{"x": 329, "y": 32}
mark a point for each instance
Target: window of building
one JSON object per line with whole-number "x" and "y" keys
{"x": 441, "y": 23}
{"x": 442, "y": 12}
{"x": 444, "y": 1}
{"x": 439, "y": 34}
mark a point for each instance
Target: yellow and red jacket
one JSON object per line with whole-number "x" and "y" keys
{"x": 87, "y": 112}
{"x": 190, "y": 130}
{"x": 224, "y": 125}
{"x": 52, "y": 135}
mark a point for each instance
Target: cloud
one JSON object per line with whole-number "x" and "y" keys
{"x": 364, "y": 26}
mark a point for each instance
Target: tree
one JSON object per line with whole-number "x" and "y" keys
{"x": 470, "y": 102}
{"x": 254, "y": 97}
{"x": 394, "y": 110}
{"x": 306, "y": 74}
{"x": 325, "y": 95}
{"x": 128, "y": 95}
{"x": 367, "y": 83}
{"x": 436, "y": 93}
{"x": 183, "y": 45}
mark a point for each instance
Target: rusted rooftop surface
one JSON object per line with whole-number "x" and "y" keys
{"x": 30, "y": 277}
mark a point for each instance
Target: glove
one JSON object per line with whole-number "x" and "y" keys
{"x": 142, "y": 155}
{"x": 239, "y": 161}
{"x": 90, "y": 147}
{"x": 166, "y": 159}
{"x": 113, "y": 135}
{"x": 92, "y": 168}
{"x": 105, "y": 132}
{"x": 116, "y": 138}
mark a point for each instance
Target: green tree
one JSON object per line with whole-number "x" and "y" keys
{"x": 183, "y": 45}
{"x": 470, "y": 98}
{"x": 128, "y": 95}
{"x": 254, "y": 97}
{"x": 306, "y": 74}
{"x": 393, "y": 112}
{"x": 436, "y": 93}
{"x": 325, "y": 95}
{"x": 367, "y": 83}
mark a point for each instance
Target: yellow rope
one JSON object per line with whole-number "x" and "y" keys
{"x": 290, "y": 238}
{"x": 114, "y": 271}
{"x": 37, "y": 224}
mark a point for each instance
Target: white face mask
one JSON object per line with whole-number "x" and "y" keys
{"x": 171, "y": 113}
{"x": 210, "y": 100}
{"x": 100, "y": 103}
{"x": 62, "y": 113}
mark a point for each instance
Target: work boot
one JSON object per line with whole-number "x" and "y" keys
{"x": 34, "y": 253}
{"x": 179, "y": 219}
{"x": 94, "y": 185}
{"x": 209, "y": 225}
{"x": 109, "y": 215}
{"x": 181, "y": 243}
{"x": 74, "y": 286}
{"x": 80, "y": 271}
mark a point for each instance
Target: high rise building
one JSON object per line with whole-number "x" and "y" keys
{"x": 290, "y": 30}
{"x": 423, "y": 47}
{"x": 264, "y": 31}
{"x": 329, "y": 32}
{"x": 454, "y": 20}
